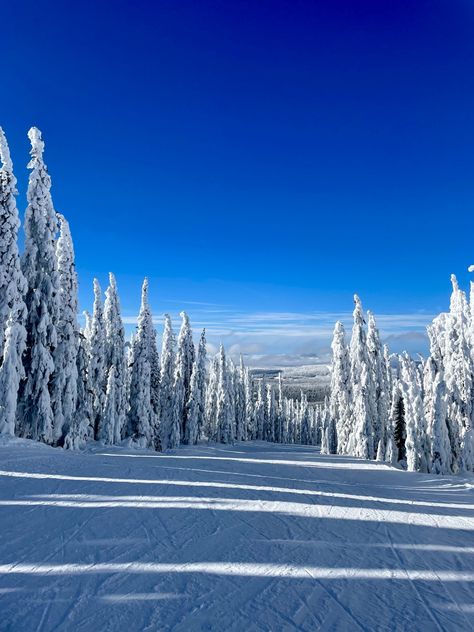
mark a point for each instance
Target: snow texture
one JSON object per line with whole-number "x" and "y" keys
{"x": 253, "y": 537}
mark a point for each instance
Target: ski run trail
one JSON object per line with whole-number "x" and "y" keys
{"x": 249, "y": 537}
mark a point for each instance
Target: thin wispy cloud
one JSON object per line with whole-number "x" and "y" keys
{"x": 291, "y": 338}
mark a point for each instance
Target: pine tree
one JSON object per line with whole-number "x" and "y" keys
{"x": 65, "y": 376}
{"x": 107, "y": 428}
{"x": 223, "y": 412}
{"x": 211, "y": 401}
{"x": 361, "y": 442}
{"x": 169, "y": 434}
{"x": 340, "y": 399}
{"x": 82, "y": 430}
{"x": 270, "y": 410}
{"x": 380, "y": 399}
{"x": 260, "y": 411}
{"x": 114, "y": 353}
{"x": 96, "y": 343}
{"x": 184, "y": 367}
{"x": 39, "y": 266}
{"x": 12, "y": 291}
{"x": 241, "y": 426}
{"x": 196, "y": 402}
{"x": 249, "y": 406}
{"x": 458, "y": 375}
{"x": 441, "y": 458}
{"x": 416, "y": 448}
{"x": 142, "y": 421}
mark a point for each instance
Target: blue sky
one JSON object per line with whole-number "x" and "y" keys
{"x": 255, "y": 159}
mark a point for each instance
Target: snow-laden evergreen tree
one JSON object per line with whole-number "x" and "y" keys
{"x": 115, "y": 357}
{"x": 305, "y": 421}
{"x": 64, "y": 391}
{"x": 183, "y": 370}
{"x": 12, "y": 291}
{"x": 96, "y": 343}
{"x": 251, "y": 431}
{"x": 441, "y": 457}
{"x": 270, "y": 411}
{"x": 361, "y": 441}
{"x": 169, "y": 434}
{"x": 231, "y": 390}
{"x": 340, "y": 399}
{"x": 260, "y": 410}
{"x": 380, "y": 397}
{"x": 39, "y": 266}
{"x": 109, "y": 418}
{"x": 458, "y": 375}
{"x": 82, "y": 430}
{"x": 155, "y": 380}
{"x": 196, "y": 403}
{"x": 211, "y": 401}
{"x": 417, "y": 451}
{"x": 141, "y": 417}
{"x": 240, "y": 425}
{"x": 223, "y": 413}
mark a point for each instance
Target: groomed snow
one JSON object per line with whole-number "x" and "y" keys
{"x": 249, "y": 537}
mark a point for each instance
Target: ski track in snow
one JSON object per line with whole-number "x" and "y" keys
{"x": 256, "y": 537}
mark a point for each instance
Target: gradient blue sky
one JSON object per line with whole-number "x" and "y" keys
{"x": 259, "y": 161}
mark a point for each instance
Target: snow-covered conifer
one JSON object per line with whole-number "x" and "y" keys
{"x": 12, "y": 291}
{"x": 39, "y": 266}
{"x": 340, "y": 399}
{"x": 142, "y": 422}
{"x": 223, "y": 413}
{"x": 260, "y": 410}
{"x": 64, "y": 391}
{"x": 96, "y": 343}
{"x": 109, "y": 421}
{"x": 115, "y": 355}
{"x": 196, "y": 402}
{"x": 169, "y": 435}
{"x": 361, "y": 442}
{"x": 182, "y": 379}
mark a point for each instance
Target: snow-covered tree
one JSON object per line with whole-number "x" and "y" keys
{"x": 169, "y": 433}
{"x": 210, "y": 410}
{"x": 251, "y": 431}
{"x": 96, "y": 343}
{"x": 39, "y": 266}
{"x": 223, "y": 412}
{"x": 380, "y": 397}
{"x": 196, "y": 401}
{"x": 183, "y": 370}
{"x": 12, "y": 291}
{"x": 115, "y": 356}
{"x": 458, "y": 375}
{"x": 270, "y": 410}
{"x": 142, "y": 422}
{"x": 81, "y": 430}
{"x": 64, "y": 391}
{"x": 109, "y": 420}
{"x": 259, "y": 410}
{"x": 361, "y": 442}
{"x": 417, "y": 451}
{"x": 340, "y": 398}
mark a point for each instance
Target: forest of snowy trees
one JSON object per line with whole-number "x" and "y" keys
{"x": 66, "y": 386}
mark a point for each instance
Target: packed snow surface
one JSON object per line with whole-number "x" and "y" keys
{"x": 249, "y": 537}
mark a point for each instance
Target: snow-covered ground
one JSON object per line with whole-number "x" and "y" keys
{"x": 248, "y": 537}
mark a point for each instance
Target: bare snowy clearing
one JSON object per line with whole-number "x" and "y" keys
{"x": 250, "y": 537}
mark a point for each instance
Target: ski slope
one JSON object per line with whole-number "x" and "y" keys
{"x": 249, "y": 537}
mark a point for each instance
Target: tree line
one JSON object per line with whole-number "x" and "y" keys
{"x": 65, "y": 386}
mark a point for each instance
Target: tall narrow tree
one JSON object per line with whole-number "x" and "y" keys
{"x": 65, "y": 377}
{"x": 39, "y": 266}
{"x": 141, "y": 414}
{"x": 12, "y": 291}
{"x": 169, "y": 434}
{"x": 115, "y": 355}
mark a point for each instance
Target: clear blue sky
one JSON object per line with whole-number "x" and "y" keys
{"x": 256, "y": 157}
